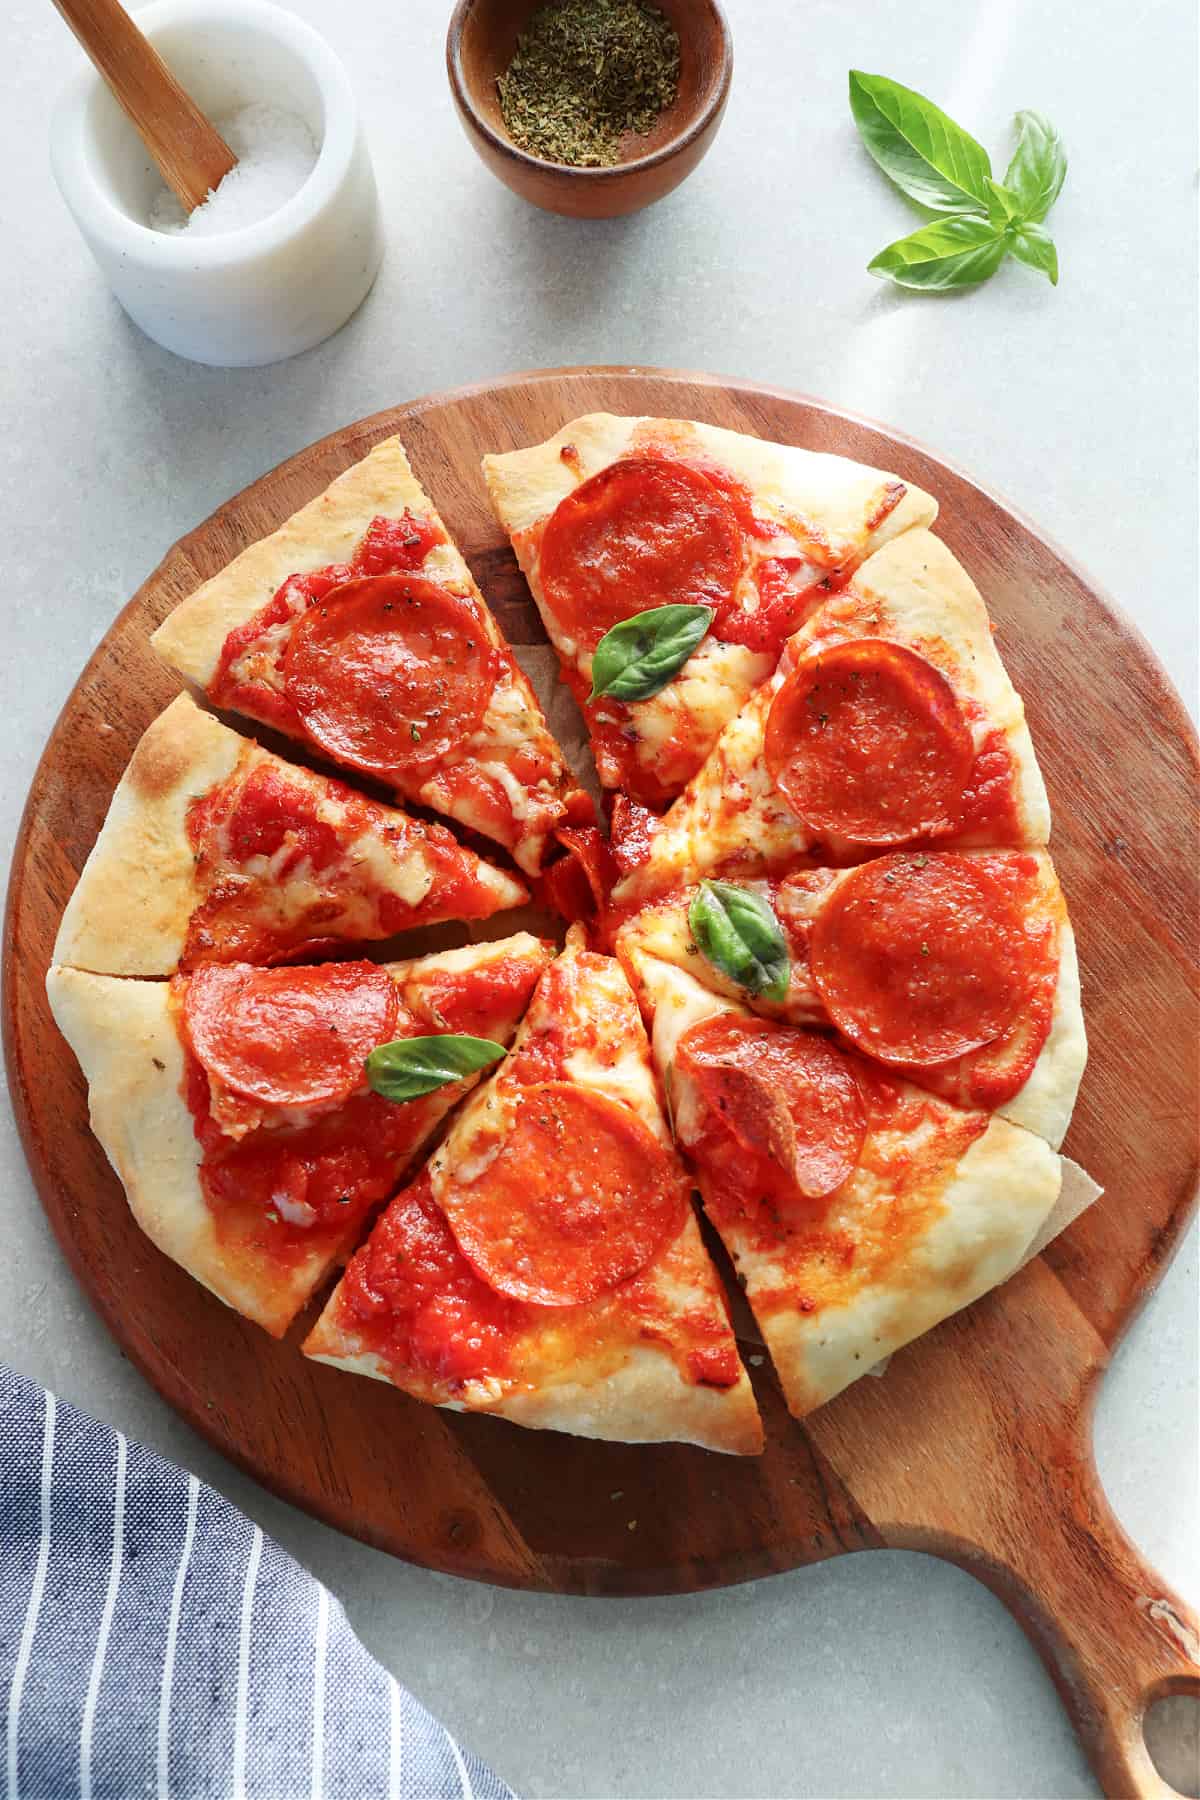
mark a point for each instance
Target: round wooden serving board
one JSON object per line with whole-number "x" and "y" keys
{"x": 976, "y": 1445}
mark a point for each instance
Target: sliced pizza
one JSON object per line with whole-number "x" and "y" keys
{"x": 214, "y": 850}
{"x": 955, "y": 968}
{"x": 859, "y": 1211}
{"x": 889, "y": 722}
{"x": 613, "y": 519}
{"x": 235, "y": 1104}
{"x": 357, "y": 629}
{"x": 547, "y": 1266}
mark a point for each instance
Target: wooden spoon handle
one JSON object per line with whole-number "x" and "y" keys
{"x": 191, "y": 154}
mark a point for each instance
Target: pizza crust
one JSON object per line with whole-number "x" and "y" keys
{"x": 126, "y": 1040}
{"x": 130, "y": 909}
{"x": 130, "y": 1052}
{"x": 835, "y": 496}
{"x": 592, "y": 1369}
{"x": 644, "y": 1401}
{"x": 1045, "y": 1101}
{"x": 986, "y": 1214}
{"x": 1001, "y": 1192}
{"x": 731, "y": 815}
{"x": 325, "y": 531}
{"x": 845, "y": 511}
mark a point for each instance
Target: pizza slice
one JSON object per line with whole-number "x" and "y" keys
{"x": 614, "y": 518}
{"x": 356, "y": 629}
{"x": 955, "y": 968}
{"x": 889, "y": 722}
{"x": 546, "y": 1266}
{"x": 858, "y": 1210}
{"x": 214, "y": 850}
{"x": 235, "y": 1106}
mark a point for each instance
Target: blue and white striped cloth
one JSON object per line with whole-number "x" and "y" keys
{"x": 153, "y": 1642}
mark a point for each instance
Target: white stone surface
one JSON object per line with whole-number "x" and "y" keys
{"x": 875, "y": 1675}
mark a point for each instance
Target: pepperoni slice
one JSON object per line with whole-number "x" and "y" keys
{"x": 389, "y": 672}
{"x": 785, "y": 1094}
{"x": 866, "y": 741}
{"x": 641, "y": 533}
{"x": 289, "y": 1037}
{"x": 579, "y": 1196}
{"x": 921, "y": 958}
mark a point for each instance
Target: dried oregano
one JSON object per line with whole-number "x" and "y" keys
{"x": 586, "y": 72}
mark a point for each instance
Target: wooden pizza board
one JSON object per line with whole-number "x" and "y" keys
{"x": 976, "y": 1445}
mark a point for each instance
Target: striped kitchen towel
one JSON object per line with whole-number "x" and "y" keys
{"x": 153, "y": 1642}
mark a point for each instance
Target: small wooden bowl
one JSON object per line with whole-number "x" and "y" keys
{"x": 480, "y": 45}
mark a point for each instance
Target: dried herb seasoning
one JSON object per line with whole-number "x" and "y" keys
{"x": 585, "y": 73}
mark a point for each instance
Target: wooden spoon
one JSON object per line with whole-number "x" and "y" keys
{"x": 191, "y": 155}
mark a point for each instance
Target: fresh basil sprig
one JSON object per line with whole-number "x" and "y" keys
{"x": 933, "y": 160}
{"x": 942, "y": 167}
{"x": 641, "y": 654}
{"x": 739, "y": 934}
{"x": 411, "y": 1067}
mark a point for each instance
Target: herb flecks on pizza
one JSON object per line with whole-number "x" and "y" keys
{"x": 889, "y": 722}
{"x": 357, "y": 630}
{"x": 216, "y": 850}
{"x": 235, "y": 1106}
{"x": 956, "y": 968}
{"x": 614, "y": 518}
{"x": 859, "y": 1210}
{"x": 844, "y": 935}
{"x": 547, "y": 1266}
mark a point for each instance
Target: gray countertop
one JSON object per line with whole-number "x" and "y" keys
{"x": 883, "y": 1674}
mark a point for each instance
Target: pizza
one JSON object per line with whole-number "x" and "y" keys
{"x": 216, "y": 850}
{"x": 357, "y": 630}
{"x": 956, "y": 968}
{"x": 890, "y": 721}
{"x": 546, "y": 1265}
{"x": 614, "y": 518}
{"x": 234, "y": 1104}
{"x": 828, "y": 977}
{"x": 859, "y": 1211}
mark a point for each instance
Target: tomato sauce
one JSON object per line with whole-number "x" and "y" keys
{"x": 389, "y": 546}
{"x": 412, "y": 1299}
{"x": 288, "y": 1191}
{"x": 275, "y": 814}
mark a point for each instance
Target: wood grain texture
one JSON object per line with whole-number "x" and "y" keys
{"x": 976, "y": 1445}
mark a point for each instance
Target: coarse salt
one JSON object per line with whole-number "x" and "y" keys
{"x": 276, "y": 153}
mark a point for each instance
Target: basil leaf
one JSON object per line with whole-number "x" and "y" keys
{"x": 1003, "y": 205}
{"x": 933, "y": 160}
{"x": 1039, "y": 166}
{"x": 1033, "y": 244}
{"x": 947, "y": 253}
{"x": 739, "y": 934}
{"x": 639, "y": 655}
{"x": 410, "y": 1067}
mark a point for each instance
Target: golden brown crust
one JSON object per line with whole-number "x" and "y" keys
{"x": 829, "y": 509}
{"x": 592, "y": 1369}
{"x": 130, "y": 909}
{"x": 912, "y": 592}
{"x": 985, "y": 1188}
{"x": 325, "y": 531}
{"x": 126, "y": 1039}
{"x": 1045, "y": 1101}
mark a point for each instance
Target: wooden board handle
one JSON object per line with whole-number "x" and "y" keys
{"x": 1113, "y": 1635}
{"x": 191, "y": 155}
